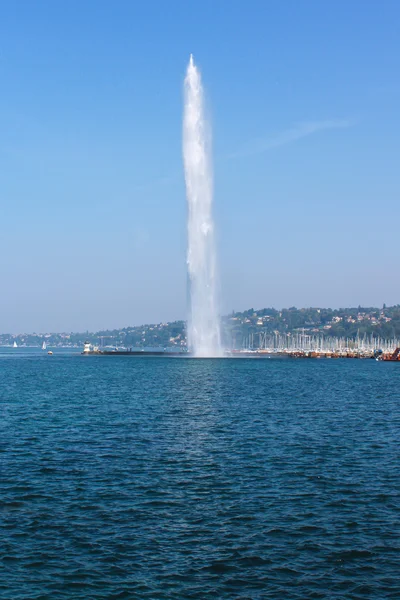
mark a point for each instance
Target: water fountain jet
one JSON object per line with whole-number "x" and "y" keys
{"x": 204, "y": 338}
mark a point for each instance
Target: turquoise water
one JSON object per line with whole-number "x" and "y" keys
{"x": 128, "y": 477}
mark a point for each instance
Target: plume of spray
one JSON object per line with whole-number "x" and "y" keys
{"x": 204, "y": 337}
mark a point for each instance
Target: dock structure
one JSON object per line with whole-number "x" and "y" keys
{"x": 392, "y": 357}
{"x": 281, "y": 346}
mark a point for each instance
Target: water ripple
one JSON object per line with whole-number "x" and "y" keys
{"x": 149, "y": 478}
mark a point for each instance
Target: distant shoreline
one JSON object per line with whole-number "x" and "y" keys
{"x": 250, "y": 329}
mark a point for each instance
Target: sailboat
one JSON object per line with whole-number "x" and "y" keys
{"x": 15, "y": 345}
{"x": 44, "y": 346}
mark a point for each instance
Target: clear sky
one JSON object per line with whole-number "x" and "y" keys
{"x": 304, "y": 98}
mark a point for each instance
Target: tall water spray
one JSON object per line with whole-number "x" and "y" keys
{"x": 203, "y": 323}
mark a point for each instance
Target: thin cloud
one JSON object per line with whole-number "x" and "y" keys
{"x": 297, "y": 132}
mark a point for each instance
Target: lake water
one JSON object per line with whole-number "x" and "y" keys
{"x": 169, "y": 478}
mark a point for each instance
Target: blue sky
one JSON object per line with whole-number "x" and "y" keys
{"x": 304, "y": 99}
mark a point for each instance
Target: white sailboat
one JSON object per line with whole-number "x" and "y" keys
{"x": 44, "y": 346}
{"x": 15, "y": 345}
